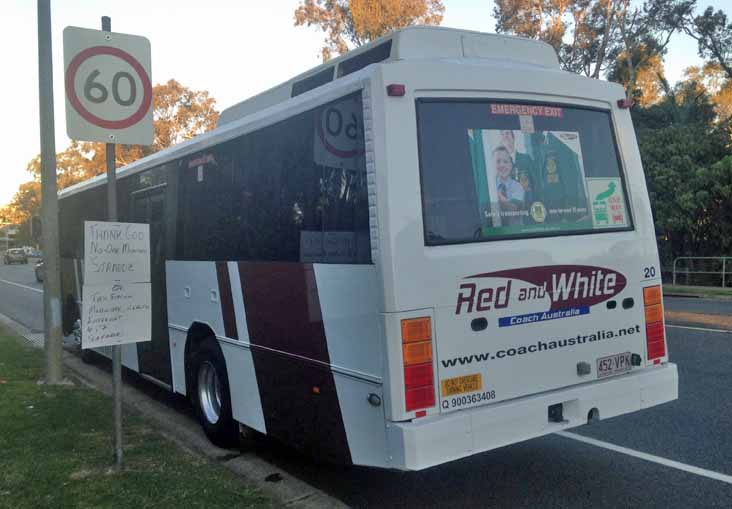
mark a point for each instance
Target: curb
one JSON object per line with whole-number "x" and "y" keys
{"x": 287, "y": 491}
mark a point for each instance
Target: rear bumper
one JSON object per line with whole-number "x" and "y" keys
{"x": 430, "y": 441}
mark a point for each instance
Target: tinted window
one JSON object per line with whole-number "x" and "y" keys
{"x": 494, "y": 170}
{"x": 314, "y": 81}
{"x": 88, "y": 205}
{"x": 376, "y": 54}
{"x": 294, "y": 191}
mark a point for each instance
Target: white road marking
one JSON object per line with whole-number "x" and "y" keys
{"x": 703, "y": 329}
{"x": 21, "y": 286}
{"x": 649, "y": 457}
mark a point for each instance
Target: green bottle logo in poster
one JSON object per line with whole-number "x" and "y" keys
{"x": 608, "y": 205}
{"x": 599, "y": 205}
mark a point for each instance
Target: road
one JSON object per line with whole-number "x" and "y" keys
{"x": 705, "y": 306}
{"x": 688, "y": 440}
{"x": 21, "y": 296}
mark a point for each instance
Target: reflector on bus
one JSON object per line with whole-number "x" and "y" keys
{"x": 655, "y": 333}
{"x": 419, "y": 378}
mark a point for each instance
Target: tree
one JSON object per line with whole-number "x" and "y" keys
{"x": 690, "y": 190}
{"x": 179, "y": 114}
{"x": 5, "y": 215}
{"x": 646, "y": 31}
{"x": 713, "y": 81}
{"x": 648, "y": 88}
{"x": 685, "y": 152}
{"x": 713, "y": 35}
{"x": 583, "y": 32}
{"x": 685, "y": 104}
{"x": 25, "y": 203}
{"x": 357, "y": 22}
{"x": 589, "y": 35}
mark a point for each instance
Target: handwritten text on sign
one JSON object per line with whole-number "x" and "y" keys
{"x": 116, "y": 252}
{"x": 116, "y": 300}
{"x": 116, "y": 313}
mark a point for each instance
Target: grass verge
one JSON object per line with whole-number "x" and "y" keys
{"x": 708, "y": 292}
{"x": 56, "y": 451}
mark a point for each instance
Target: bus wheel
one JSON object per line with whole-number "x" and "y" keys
{"x": 210, "y": 395}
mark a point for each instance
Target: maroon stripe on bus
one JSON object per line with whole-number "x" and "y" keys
{"x": 283, "y": 308}
{"x": 227, "y": 301}
{"x": 299, "y": 398}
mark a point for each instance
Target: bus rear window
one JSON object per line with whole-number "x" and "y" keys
{"x": 496, "y": 170}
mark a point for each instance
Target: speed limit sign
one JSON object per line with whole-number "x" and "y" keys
{"x": 338, "y": 134}
{"x": 108, "y": 87}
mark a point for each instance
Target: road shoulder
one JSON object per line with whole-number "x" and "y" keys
{"x": 711, "y": 321}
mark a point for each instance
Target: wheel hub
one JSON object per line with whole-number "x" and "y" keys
{"x": 209, "y": 392}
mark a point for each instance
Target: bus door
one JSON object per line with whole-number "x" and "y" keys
{"x": 148, "y": 206}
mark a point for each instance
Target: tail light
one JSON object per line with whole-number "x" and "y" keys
{"x": 419, "y": 377}
{"x": 655, "y": 332}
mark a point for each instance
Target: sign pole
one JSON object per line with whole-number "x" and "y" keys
{"x": 110, "y": 101}
{"x": 116, "y": 349}
{"x": 49, "y": 200}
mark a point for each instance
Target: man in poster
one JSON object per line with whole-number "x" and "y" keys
{"x": 560, "y": 182}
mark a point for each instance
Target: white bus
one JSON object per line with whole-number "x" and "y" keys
{"x": 433, "y": 246}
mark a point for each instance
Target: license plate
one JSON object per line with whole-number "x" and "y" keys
{"x": 462, "y": 384}
{"x": 613, "y": 364}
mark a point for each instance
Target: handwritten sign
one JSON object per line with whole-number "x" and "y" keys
{"x": 116, "y": 252}
{"x": 116, "y": 307}
{"x": 116, "y": 313}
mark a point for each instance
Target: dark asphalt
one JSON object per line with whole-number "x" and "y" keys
{"x": 21, "y": 304}
{"x": 696, "y": 428}
{"x": 692, "y": 305}
{"x": 551, "y": 471}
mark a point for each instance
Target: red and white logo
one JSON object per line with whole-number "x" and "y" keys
{"x": 559, "y": 286}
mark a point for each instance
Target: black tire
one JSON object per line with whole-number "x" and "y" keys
{"x": 213, "y": 412}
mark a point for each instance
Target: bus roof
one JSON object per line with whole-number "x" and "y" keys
{"x": 411, "y": 43}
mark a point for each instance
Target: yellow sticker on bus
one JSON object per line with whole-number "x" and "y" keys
{"x": 462, "y": 384}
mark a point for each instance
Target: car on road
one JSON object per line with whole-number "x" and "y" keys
{"x": 40, "y": 271}
{"x": 15, "y": 255}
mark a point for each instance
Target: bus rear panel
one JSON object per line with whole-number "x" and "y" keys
{"x": 522, "y": 285}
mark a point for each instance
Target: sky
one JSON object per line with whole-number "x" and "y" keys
{"x": 233, "y": 49}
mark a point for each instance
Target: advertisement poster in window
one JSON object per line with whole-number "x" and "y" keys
{"x": 528, "y": 180}
{"x": 608, "y": 205}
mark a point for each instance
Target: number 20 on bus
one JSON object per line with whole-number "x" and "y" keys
{"x": 108, "y": 86}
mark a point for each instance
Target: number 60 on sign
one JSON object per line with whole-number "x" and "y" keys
{"x": 108, "y": 86}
